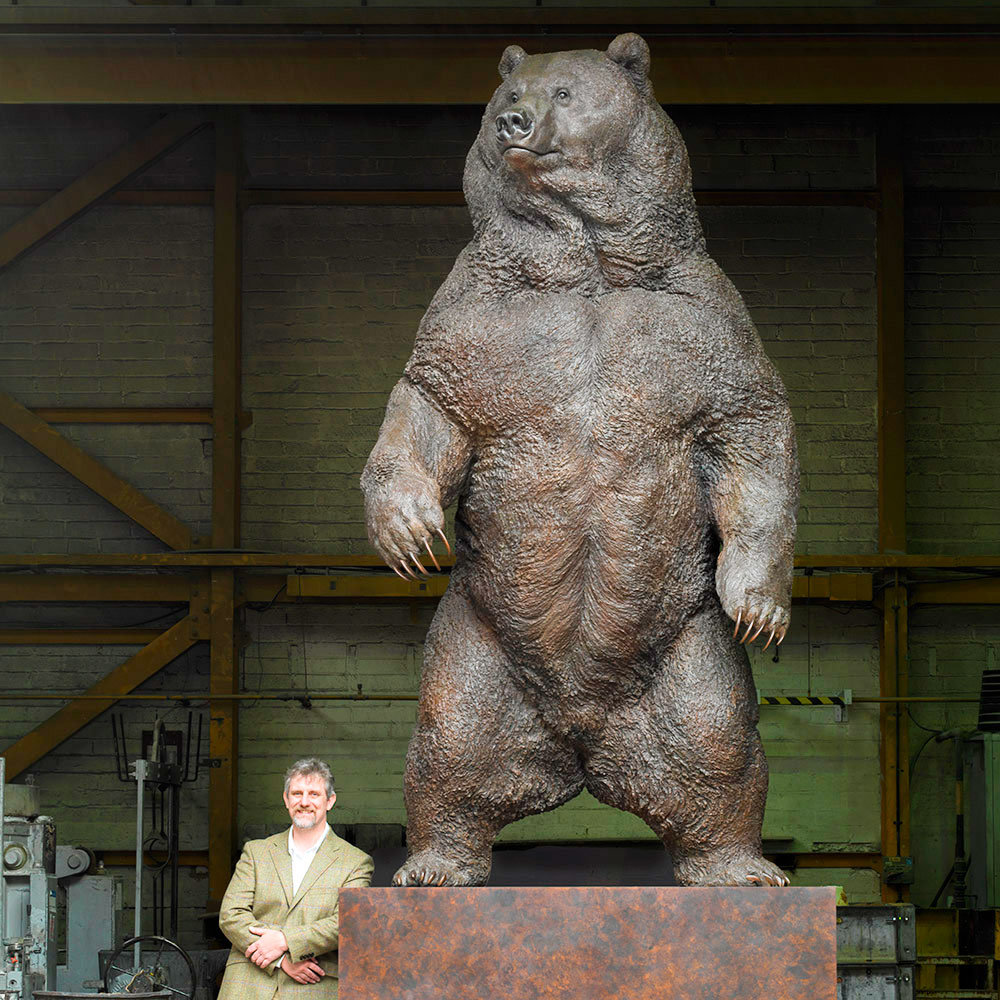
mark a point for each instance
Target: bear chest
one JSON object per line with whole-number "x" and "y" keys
{"x": 550, "y": 362}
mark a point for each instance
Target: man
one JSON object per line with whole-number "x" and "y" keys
{"x": 281, "y": 907}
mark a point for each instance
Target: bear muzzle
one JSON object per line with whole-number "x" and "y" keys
{"x": 526, "y": 140}
{"x": 515, "y": 127}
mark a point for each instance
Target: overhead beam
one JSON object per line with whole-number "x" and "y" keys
{"x": 132, "y": 415}
{"x": 88, "y": 189}
{"x": 223, "y": 734}
{"x": 836, "y": 587}
{"x": 148, "y": 588}
{"x": 332, "y": 560}
{"x": 985, "y": 591}
{"x": 226, "y": 451}
{"x": 77, "y": 636}
{"x": 860, "y": 198}
{"x": 295, "y": 18}
{"x": 129, "y": 197}
{"x": 227, "y": 280}
{"x": 166, "y": 647}
{"x": 70, "y": 588}
{"x": 704, "y": 196}
{"x": 123, "y": 414}
{"x": 411, "y": 67}
{"x": 890, "y": 272}
{"x": 156, "y": 588}
{"x": 894, "y": 732}
{"x": 93, "y": 474}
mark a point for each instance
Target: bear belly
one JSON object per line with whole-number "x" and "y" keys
{"x": 584, "y": 559}
{"x": 584, "y": 534}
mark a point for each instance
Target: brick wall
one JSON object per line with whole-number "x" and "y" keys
{"x": 808, "y": 277}
{"x": 116, "y": 310}
{"x": 952, "y": 148}
{"x": 333, "y": 297}
{"x": 330, "y": 648}
{"x": 425, "y": 148}
{"x": 779, "y": 148}
{"x": 328, "y": 289}
{"x": 953, "y": 379}
{"x": 359, "y": 148}
{"x": 49, "y": 147}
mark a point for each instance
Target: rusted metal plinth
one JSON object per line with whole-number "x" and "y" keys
{"x": 594, "y": 943}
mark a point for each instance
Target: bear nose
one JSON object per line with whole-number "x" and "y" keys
{"x": 514, "y": 125}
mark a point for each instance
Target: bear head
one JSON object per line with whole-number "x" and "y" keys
{"x": 576, "y": 142}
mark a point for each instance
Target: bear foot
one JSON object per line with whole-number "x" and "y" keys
{"x": 728, "y": 869}
{"x": 431, "y": 868}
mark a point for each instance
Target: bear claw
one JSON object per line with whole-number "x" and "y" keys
{"x": 444, "y": 538}
{"x": 430, "y": 552}
{"x": 755, "y": 622}
{"x": 736, "y": 871}
{"x": 429, "y": 868}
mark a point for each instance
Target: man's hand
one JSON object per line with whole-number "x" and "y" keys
{"x": 306, "y": 971}
{"x": 272, "y": 943}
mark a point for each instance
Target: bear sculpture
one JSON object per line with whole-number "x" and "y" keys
{"x": 588, "y": 386}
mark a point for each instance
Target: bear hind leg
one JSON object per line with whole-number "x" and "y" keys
{"x": 479, "y": 758}
{"x": 687, "y": 759}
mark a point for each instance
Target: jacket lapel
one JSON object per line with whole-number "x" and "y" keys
{"x": 282, "y": 864}
{"x": 325, "y": 857}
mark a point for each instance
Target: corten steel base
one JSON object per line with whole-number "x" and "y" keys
{"x": 595, "y": 943}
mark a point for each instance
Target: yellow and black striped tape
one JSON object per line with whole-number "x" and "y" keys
{"x": 800, "y": 700}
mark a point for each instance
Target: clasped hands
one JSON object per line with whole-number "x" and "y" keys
{"x": 271, "y": 945}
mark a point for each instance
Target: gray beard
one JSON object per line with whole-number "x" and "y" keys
{"x": 304, "y": 822}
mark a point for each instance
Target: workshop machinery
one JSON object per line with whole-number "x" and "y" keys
{"x": 55, "y": 916}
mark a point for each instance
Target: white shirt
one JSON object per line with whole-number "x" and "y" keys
{"x": 301, "y": 860}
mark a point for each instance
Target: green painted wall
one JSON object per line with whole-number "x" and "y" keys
{"x": 116, "y": 310}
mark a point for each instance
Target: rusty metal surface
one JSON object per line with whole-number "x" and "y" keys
{"x": 594, "y": 943}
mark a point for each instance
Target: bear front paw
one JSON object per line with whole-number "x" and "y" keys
{"x": 405, "y": 520}
{"x": 756, "y": 592}
{"x": 761, "y": 618}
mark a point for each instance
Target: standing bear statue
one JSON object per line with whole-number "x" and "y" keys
{"x": 589, "y": 387}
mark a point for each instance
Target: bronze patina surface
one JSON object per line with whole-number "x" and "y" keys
{"x": 589, "y": 389}
{"x": 592, "y": 943}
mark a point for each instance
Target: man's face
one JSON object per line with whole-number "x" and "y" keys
{"x": 306, "y": 800}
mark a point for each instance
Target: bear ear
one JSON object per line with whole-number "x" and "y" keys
{"x": 510, "y": 60}
{"x": 632, "y": 53}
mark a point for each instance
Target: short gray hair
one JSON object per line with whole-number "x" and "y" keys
{"x": 309, "y": 766}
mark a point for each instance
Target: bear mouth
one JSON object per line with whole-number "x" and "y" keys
{"x": 535, "y": 153}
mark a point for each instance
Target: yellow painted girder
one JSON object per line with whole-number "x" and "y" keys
{"x": 77, "y": 636}
{"x": 431, "y": 67}
{"x": 87, "y": 189}
{"x": 166, "y": 647}
{"x": 93, "y": 474}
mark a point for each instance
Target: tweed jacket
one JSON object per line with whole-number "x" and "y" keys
{"x": 260, "y": 892}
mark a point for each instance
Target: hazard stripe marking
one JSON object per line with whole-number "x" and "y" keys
{"x": 800, "y": 700}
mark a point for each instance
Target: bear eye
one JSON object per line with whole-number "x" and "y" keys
{"x": 562, "y": 95}
{"x": 513, "y": 97}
